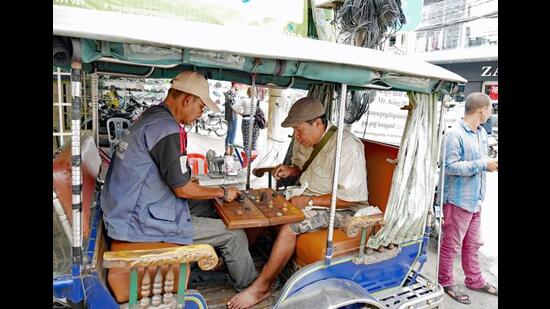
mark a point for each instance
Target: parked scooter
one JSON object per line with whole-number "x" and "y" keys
{"x": 132, "y": 110}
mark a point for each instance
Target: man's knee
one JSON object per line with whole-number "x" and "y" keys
{"x": 450, "y": 247}
{"x": 238, "y": 238}
{"x": 472, "y": 247}
{"x": 289, "y": 231}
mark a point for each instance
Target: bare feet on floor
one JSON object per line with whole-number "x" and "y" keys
{"x": 249, "y": 297}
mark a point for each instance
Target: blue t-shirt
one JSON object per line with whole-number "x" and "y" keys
{"x": 137, "y": 199}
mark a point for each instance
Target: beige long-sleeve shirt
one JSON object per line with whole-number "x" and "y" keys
{"x": 352, "y": 180}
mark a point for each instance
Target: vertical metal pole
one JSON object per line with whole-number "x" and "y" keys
{"x": 250, "y": 130}
{"x": 95, "y": 98}
{"x": 329, "y": 249}
{"x": 60, "y": 108}
{"x": 84, "y": 101}
{"x": 443, "y": 131}
{"x": 77, "y": 291}
{"x": 76, "y": 160}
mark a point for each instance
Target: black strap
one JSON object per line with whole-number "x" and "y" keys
{"x": 318, "y": 147}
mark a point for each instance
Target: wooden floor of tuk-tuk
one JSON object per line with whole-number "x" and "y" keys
{"x": 218, "y": 294}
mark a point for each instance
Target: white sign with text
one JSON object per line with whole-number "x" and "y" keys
{"x": 384, "y": 119}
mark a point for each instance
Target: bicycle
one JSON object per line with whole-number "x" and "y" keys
{"x": 211, "y": 122}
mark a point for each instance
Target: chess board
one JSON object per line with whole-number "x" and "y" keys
{"x": 260, "y": 207}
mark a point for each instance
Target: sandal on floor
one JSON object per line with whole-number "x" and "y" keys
{"x": 487, "y": 289}
{"x": 456, "y": 294}
{"x": 275, "y": 284}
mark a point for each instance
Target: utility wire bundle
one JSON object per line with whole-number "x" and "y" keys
{"x": 357, "y": 103}
{"x": 366, "y": 22}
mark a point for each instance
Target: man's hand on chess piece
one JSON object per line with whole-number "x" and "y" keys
{"x": 300, "y": 201}
{"x": 285, "y": 171}
{"x": 232, "y": 194}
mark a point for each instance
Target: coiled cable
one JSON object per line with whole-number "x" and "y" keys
{"x": 368, "y": 23}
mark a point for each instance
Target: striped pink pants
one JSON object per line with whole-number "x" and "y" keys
{"x": 460, "y": 229}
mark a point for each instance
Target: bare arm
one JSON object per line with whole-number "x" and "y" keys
{"x": 321, "y": 200}
{"x": 192, "y": 190}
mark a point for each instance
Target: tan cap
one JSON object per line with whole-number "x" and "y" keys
{"x": 196, "y": 84}
{"x": 303, "y": 110}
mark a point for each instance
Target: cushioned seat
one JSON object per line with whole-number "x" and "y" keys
{"x": 311, "y": 247}
{"x": 62, "y": 182}
{"x": 118, "y": 279}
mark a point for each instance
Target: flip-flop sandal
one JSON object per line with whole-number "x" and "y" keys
{"x": 456, "y": 294}
{"x": 275, "y": 284}
{"x": 487, "y": 289}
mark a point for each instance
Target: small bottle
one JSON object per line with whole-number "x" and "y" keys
{"x": 227, "y": 163}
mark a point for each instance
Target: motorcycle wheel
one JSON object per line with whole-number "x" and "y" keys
{"x": 221, "y": 128}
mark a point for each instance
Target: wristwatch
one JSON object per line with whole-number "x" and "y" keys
{"x": 310, "y": 202}
{"x": 225, "y": 193}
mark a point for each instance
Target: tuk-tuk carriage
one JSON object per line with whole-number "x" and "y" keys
{"x": 373, "y": 261}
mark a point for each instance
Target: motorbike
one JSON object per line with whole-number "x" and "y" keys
{"x": 131, "y": 111}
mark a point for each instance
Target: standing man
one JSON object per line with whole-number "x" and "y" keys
{"x": 231, "y": 118}
{"x": 466, "y": 163}
{"x": 148, "y": 186}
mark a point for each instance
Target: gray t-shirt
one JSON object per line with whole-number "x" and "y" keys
{"x": 137, "y": 199}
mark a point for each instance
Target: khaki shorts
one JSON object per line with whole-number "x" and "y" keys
{"x": 317, "y": 219}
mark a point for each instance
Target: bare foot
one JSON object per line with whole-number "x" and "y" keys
{"x": 249, "y": 297}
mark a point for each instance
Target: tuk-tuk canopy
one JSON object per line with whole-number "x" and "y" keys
{"x": 158, "y": 47}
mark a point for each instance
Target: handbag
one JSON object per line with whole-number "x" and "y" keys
{"x": 259, "y": 118}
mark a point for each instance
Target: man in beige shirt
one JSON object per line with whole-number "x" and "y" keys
{"x": 307, "y": 118}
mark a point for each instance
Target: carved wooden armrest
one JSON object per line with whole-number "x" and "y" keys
{"x": 259, "y": 172}
{"x": 353, "y": 225}
{"x": 203, "y": 254}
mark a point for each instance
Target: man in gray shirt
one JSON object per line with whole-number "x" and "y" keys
{"x": 148, "y": 186}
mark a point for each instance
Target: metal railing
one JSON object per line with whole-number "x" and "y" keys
{"x": 60, "y": 104}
